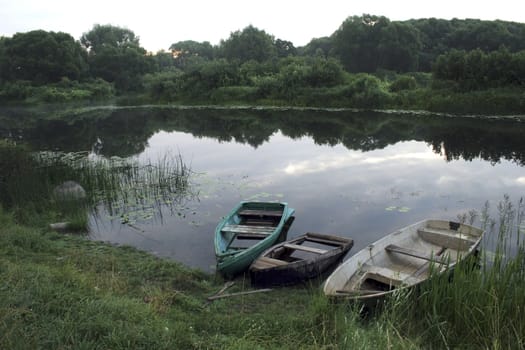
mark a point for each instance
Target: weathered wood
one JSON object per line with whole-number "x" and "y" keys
{"x": 328, "y": 238}
{"x": 251, "y": 235}
{"x": 215, "y": 297}
{"x": 305, "y": 248}
{"x": 396, "y": 249}
{"x": 259, "y": 222}
{"x": 226, "y": 286}
{"x": 325, "y": 241}
{"x": 60, "y": 226}
{"x": 249, "y": 229}
{"x": 264, "y": 262}
{"x": 279, "y": 266}
{"x": 253, "y": 212}
{"x": 358, "y": 292}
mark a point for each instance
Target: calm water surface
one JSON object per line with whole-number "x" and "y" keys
{"x": 356, "y": 174}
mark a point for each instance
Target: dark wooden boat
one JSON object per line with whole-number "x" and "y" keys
{"x": 249, "y": 229}
{"x": 299, "y": 259}
{"x": 403, "y": 259}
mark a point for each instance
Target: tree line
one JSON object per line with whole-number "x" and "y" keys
{"x": 361, "y": 61}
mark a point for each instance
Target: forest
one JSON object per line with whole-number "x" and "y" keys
{"x": 458, "y": 65}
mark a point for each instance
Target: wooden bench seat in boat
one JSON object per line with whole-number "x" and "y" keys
{"x": 253, "y": 212}
{"x": 305, "y": 248}
{"x": 414, "y": 253}
{"x": 249, "y": 231}
{"x": 447, "y": 238}
{"x": 265, "y": 262}
{"x": 385, "y": 275}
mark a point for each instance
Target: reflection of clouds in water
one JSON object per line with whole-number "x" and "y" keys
{"x": 415, "y": 154}
{"x": 445, "y": 180}
{"x": 521, "y": 180}
{"x": 320, "y": 164}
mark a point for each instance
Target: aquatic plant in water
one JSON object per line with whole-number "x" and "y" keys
{"x": 126, "y": 189}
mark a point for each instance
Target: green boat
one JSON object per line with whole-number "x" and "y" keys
{"x": 249, "y": 229}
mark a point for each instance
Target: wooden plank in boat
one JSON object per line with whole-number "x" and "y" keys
{"x": 305, "y": 248}
{"x": 249, "y": 229}
{"x": 253, "y": 212}
{"x": 328, "y": 238}
{"x": 410, "y": 252}
{"x": 251, "y": 235}
{"x": 324, "y": 241}
{"x": 447, "y": 238}
{"x": 264, "y": 262}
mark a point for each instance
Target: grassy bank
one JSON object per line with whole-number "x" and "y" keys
{"x": 62, "y": 291}
{"x": 67, "y": 292}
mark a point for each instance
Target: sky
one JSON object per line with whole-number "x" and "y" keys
{"x": 162, "y": 23}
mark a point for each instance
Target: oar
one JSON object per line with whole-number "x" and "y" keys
{"x": 215, "y": 297}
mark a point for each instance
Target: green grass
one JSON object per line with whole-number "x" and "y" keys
{"x": 482, "y": 304}
{"x": 60, "y": 292}
{"x": 66, "y": 292}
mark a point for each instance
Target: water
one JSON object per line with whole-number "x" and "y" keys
{"x": 356, "y": 174}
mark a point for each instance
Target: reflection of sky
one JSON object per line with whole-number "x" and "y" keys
{"x": 364, "y": 195}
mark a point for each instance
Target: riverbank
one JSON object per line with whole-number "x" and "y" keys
{"x": 361, "y": 91}
{"x": 63, "y": 291}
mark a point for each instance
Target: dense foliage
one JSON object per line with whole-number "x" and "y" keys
{"x": 41, "y": 57}
{"x": 369, "y": 61}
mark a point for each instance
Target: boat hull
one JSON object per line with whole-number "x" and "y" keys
{"x": 258, "y": 225}
{"x": 264, "y": 273}
{"x": 403, "y": 259}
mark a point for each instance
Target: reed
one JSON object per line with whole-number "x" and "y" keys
{"x": 480, "y": 305}
{"x": 125, "y": 188}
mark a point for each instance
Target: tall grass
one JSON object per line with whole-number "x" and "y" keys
{"x": 125, "y": 187}
{"x": 482, "y": 305}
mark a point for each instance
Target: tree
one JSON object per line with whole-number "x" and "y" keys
{"x": 102, "y": 36}
{"x": 192, "y": 48}
{"x": 116, "y": 56}
{"x": 249, "y": 44}
{"x": 188, "y": 53}
{"x": 318, "y": 47}
{"x": 398, "y": 47}
{"x": 285, "y": 48}
{"x": 368, "y": 43}
{"x": 41, "y": 57}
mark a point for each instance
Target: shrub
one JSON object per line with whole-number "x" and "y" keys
{"x": 403, "y": 83}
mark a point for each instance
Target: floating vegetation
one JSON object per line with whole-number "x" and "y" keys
{"x": 129, "y": 191}
{"x": 265, "y": 196}
{"x": 399, "y": 209}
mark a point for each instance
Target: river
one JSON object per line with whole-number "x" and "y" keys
{"x": 352, "y": 173}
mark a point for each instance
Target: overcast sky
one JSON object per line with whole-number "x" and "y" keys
{"x": 162, "y": 23}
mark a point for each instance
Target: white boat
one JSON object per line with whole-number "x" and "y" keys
{"x": 403, "y": 259}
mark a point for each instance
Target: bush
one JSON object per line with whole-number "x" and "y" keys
{"x": 15, "y": 91}
{"x": 403, "y": 83}
{"x": 234, "y": 94}
{"x": 163, "y": 86}
{"x": 366, "y": 91}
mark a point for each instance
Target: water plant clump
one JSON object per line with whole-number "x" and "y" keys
{"x": 125, "y": 188}
{"x": 34, "y": 183}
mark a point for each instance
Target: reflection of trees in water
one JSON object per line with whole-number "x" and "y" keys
{"x": 126, "y": 131}
{"x": 492, "y": 141}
